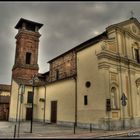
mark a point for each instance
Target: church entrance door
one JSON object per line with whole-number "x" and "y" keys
{"x": 28, "y": 113}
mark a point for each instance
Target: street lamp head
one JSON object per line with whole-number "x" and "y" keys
{"x": 34, "y": 79}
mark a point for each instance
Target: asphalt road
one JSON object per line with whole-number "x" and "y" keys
{"x": 126, "y": 136}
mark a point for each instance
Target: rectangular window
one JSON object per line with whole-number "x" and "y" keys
{"x": 136, "y": 51}
{"x": 28, "y": 58}
{"x": 132, "y": 52}
{"x": 30, "y": 97}
{"x": 108, "y": 105}
{"x": 85, "y": 100}
{"x": 57, "y": 74}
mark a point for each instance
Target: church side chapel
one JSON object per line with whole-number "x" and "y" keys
{"x": 96, "y": 82}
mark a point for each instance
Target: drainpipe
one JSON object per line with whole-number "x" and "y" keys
{"x": 75, "y": 78}
{"x": 44, "y": 104}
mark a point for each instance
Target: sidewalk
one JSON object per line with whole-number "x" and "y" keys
{"x": 79, "y": 135}
{"x": 54, "y": 131}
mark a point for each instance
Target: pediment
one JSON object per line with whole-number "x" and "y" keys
{"x": 132, "y": 25}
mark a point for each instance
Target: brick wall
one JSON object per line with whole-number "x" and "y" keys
{"x": 66, "y": 65}
{"x": 24, "y": 73}
{"x": 27, "y": 41}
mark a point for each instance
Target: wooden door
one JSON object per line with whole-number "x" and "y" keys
{"x": 2, "y": 113}
{"x": 53, "y": 111}
{"x": 28, "y": 113}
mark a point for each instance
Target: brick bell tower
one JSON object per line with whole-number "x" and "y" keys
{"x": 26, "y": 55}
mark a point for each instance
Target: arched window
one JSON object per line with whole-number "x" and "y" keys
{"x": 114, "y": 104}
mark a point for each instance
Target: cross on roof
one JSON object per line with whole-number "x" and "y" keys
{"x": 132, "y": 13}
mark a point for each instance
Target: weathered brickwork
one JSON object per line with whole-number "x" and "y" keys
{"x": 65, "y": 65}
{"x": 27, "y": 41}
{"x": 23, "y": 73}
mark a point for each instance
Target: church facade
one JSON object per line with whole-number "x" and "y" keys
{"x": 96, "y": 82}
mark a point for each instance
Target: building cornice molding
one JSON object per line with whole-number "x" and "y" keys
{"x": 117, "y": 58}
{"x": 24, "y": 32}
{"x": 32, "y": 67}
{"x": 125, "y": 31}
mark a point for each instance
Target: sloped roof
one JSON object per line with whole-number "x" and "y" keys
{"x": 96, "y": 39}
{"x": 5, "y": 87}
{"x": 84, "y": 44}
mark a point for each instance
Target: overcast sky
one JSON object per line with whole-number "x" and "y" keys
{"x": 66, "y": 24}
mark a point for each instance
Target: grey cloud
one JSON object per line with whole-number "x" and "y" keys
{"x": 66, "y": 24}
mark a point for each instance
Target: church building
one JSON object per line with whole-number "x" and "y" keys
{"x": 96, "y": 82}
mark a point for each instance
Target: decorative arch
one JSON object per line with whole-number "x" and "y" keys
{"x": 138, "y": 96}
{"x": 114, "y": 95}
{"x": 138, "y": 85}
{"x": 114, "y": 84}
{"x": 136, "y": 44}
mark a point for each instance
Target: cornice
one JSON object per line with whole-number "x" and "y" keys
{"x": 132, "y": 35}
{"x": 117, "y": 58}
{"x": 125, "y": 31}
{"x": 26, "y": 32}
{"x": 33, "y": 67}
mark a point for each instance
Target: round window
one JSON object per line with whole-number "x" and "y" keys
{"x": 88, "y": 84}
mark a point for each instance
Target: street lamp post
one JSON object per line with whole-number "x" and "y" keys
{"x": 33, "y": 81}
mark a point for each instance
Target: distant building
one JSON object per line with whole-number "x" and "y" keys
{"x": 85, "y": 84}
{"x": 4, "y": 101}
